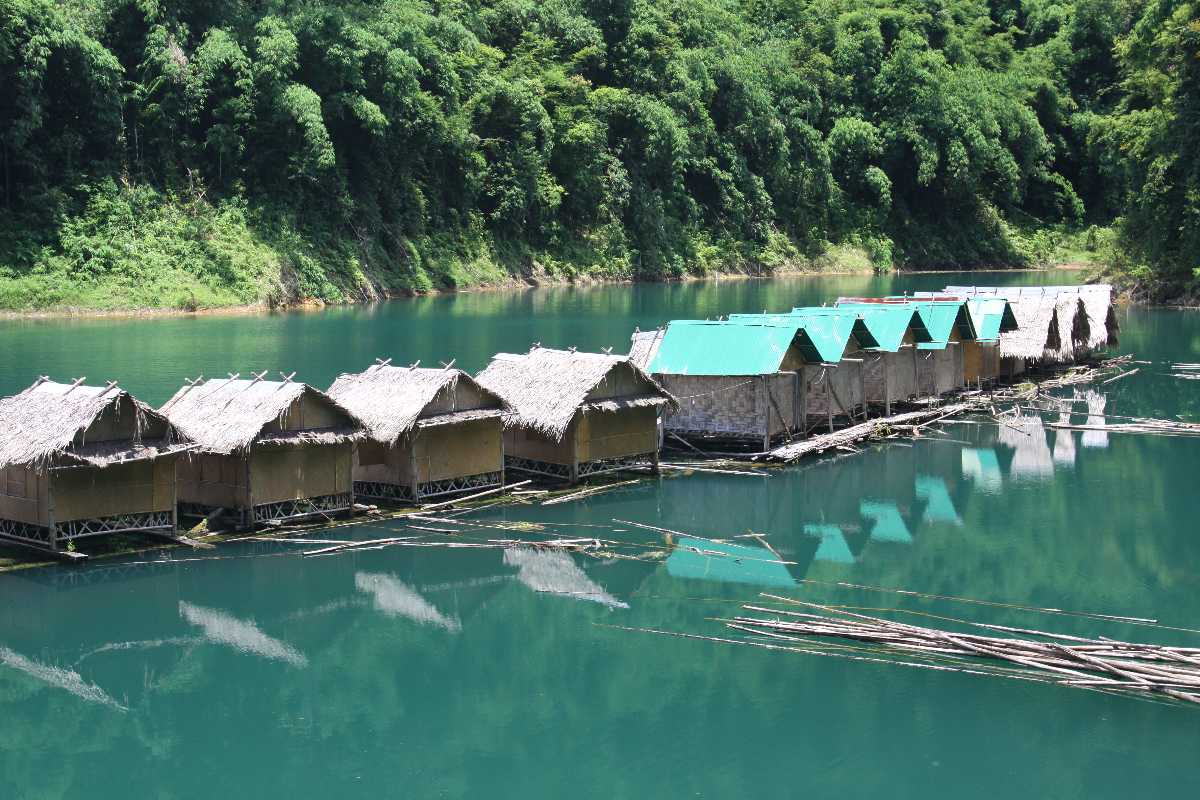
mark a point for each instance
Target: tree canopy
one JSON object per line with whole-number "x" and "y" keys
{"x": 365, "y": 146}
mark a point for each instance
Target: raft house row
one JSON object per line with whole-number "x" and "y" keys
{"x": 79, "y": 461}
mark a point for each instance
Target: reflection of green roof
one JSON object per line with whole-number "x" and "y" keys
{"x": 889, "y": 323}
{"x": 833, "y": 545}
{"x": 716, "y": 348}
{"x": 939, "y": 507}
{"x": 982, "y": 465}
{"x": 889, "y": 525}
{"x": 740, "y": 564}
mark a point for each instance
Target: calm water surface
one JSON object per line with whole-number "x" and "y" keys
{"x": 482, "y": 673}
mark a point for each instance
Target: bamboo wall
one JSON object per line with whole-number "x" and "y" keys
{"x": 622, "y": 381}
{"x": 309, "y": 412}
{"x": 295, "y": 473}
{"x": 528, "y": 443}
{"x": 602, "y": 435}
{"x": 947, "y": 369}
{"x": 981, "y": 361}
{"x": 118, "y": 422}
{"x": 926, "y": 375}
{"x": 437, "y": 453}
{"x": 833, "y": 389}
{"x": 733, "y": 405}
{"x": 87, "y": 492}
{"x": 456, "y": 451}
{"x": 213, "y": 480}
{"x": 902, "y": 373}
{"x": 23, "y": 495}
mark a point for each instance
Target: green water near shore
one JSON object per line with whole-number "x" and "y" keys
{"x": 466, "y": 673}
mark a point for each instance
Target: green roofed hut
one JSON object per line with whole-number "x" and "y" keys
{"x": 940, "y": 361}
{"x": 889, "y": 368}
{"x": 735, "y": 383}
{"x": 430, "y": 432}
{"x": 78, "y": 461}
{"x": 268, "y": 451}
{"x": 834, "y": 385}
{"x": 992, "y": 318}
{"x": 576, "y": 414}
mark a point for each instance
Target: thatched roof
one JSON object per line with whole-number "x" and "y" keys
{"x": 1073, "y": 327}
{"x": 643, "y": 346}
{"x": 390, "y": 400}
{"x": 1101, "y": 314}
{"x": 547, "y": 388}
{"x": 1037, "y": 328}
{"x": 229, "y": 415}
{"x": 47, "y": 424}
{"x": 1101, "y": 322}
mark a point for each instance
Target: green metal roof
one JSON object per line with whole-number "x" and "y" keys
{"x": 992, "y": 316}
{"x": 694, "y": 347}
{"x": 889, "y": 322}
{"x": 822, "y": 338}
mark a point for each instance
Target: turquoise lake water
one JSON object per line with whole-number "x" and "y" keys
{"x": 252, "y": 672}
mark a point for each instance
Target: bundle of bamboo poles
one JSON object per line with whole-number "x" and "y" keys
{"x": 1188, "y": 372}
{"x": 1103, "y": 664}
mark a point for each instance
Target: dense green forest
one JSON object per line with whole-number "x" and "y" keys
{"x": 158, "y": 153}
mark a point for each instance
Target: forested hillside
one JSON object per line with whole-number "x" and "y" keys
{"x": 215, "y": 152}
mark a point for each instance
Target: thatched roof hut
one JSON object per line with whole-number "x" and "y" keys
{"x": 1102, "y": 325}
{"x": 227, "y": 416}
{"x": 390, "y": 400}
{"x": 1037, "y": 332}
{"x": 547, "y": 388}
{"x": 576, "y": 414}
{"x": 80, "y": 460}
{"x": 48, "y": 424}
{"x": 433, "y": 432}
{"x": 268, "y": 450}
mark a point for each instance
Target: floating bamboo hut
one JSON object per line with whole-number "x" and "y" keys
{"x": 78, "y": 461}
{"x": 576, "y": 414}
{"x": 1085, "y": 319}
{"x": 735, "y": 383}
{"x": 941, "y": 362}
{"x": 430, "y": 432}
{"x": 940, "y": 359}
{"x": 889, "y": 368}
{"x": 1102, "y": 325}
{"x": 836, "y": 385}
{"x": 268, "y": 451}
{"x": 991, "y": 317}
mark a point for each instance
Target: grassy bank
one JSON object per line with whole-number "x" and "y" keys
{"x": 137, "y": 248}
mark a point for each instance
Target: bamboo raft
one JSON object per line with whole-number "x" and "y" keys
{"x": 1101, "y": 663}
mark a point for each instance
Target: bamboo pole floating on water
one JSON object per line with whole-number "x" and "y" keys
{"x": 1122, "y": 667}
{"x": 586, "y": 493}
{"x": 477, "y": 495}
